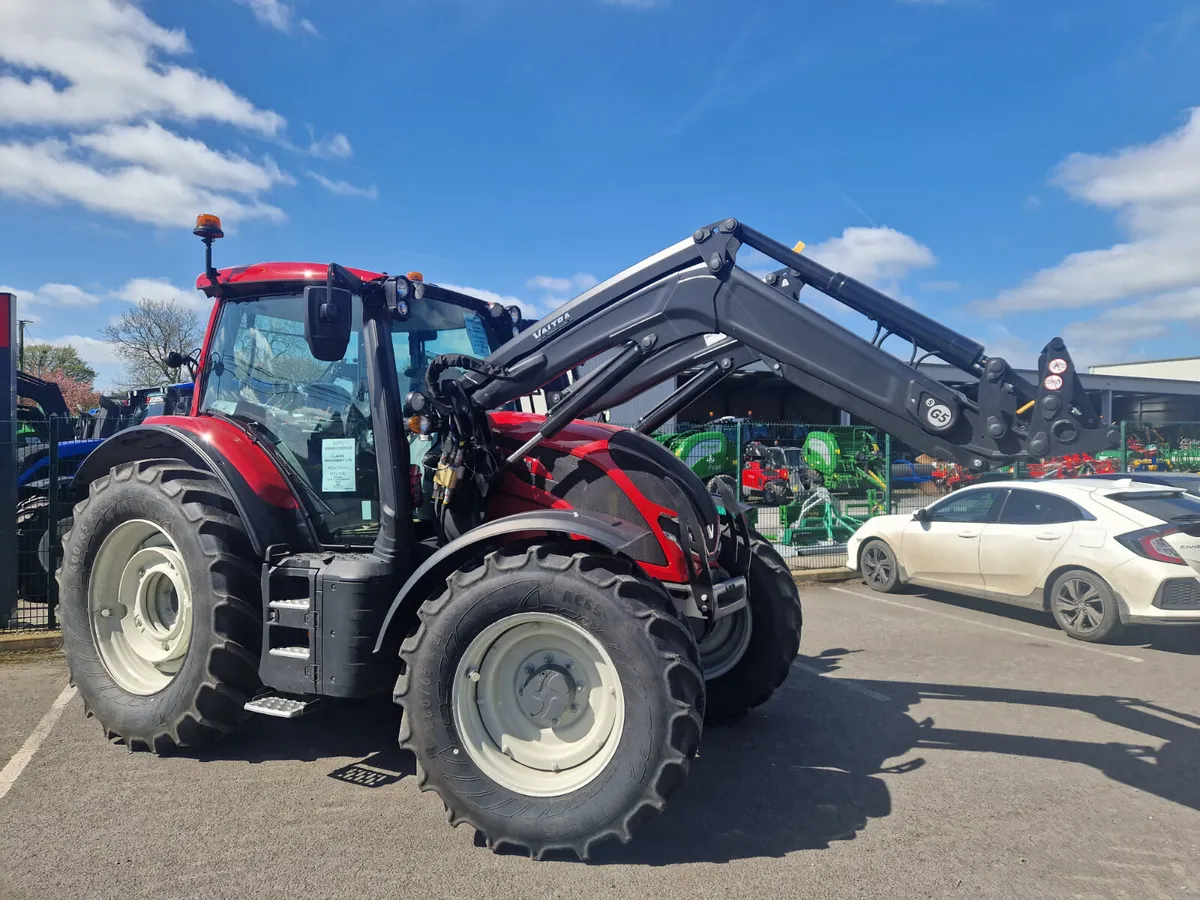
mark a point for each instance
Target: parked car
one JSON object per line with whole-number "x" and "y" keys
{"x": 1098, "y": 554}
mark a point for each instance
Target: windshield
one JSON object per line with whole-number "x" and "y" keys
{"x": 316, "y": 415}
{"x": 775, "y": 458}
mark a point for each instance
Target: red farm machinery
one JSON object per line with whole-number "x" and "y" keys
{"x": 355, "y": 506}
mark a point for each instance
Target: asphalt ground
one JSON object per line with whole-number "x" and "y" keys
{"x": 923, "y": 747}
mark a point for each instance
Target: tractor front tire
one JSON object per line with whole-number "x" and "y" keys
{"x": 160, "y": 607}
{"x": 748, "y": 654}
{"x": 553, "y": 699}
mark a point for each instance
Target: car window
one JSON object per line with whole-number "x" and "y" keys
{"x": 1170, "y": 506}
{"x": 967, "y": 506}
{"x": 1026, "y": 507}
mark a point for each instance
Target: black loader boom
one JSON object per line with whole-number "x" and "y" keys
{"x": 691, "y": 307}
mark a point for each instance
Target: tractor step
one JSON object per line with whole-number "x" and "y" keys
{"x": 290, "y": 652}
{"x": 280, "y": 707}
{"x": 301, "y": 603}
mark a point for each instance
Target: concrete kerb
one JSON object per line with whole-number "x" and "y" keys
{"x": 836, "y": 574}
{"x": 30, "y": 640}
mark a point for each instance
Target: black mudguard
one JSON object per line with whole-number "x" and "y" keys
{"x": 613, "y": 534}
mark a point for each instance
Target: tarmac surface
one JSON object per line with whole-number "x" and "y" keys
{"x": 924, "y": 746}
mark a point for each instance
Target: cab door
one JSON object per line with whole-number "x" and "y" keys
{"x": 943, "y": 550}
{"x": 1020, "y": 547}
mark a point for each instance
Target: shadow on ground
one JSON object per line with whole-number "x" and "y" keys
{"x": 1183, "y": 639}
{"x": 806, "y": 771}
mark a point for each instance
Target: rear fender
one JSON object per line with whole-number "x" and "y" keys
{"x": 264, "y": 501}
{"x": 612, "y": 534}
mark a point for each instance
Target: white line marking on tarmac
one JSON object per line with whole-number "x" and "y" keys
{"x": 1074, "y": 645}
{"x": 874, "y": 695}
{"x": 15, "y": 766}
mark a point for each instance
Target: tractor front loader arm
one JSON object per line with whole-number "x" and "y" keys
{"x": 654, "y": 313}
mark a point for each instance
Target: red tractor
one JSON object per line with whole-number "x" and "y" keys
{"x": 353, "y": 507}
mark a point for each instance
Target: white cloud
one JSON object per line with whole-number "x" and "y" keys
{"x": 527, "y": 309}
{"x": 872, "y": 254}
{"x": 344, "y": 188}
{"x": 84, "y": 62}
{"x": 48, "y": 172}
{"x": 98, "y": 70}
{"x": 579, "y": 282}
{"x": 93, "y": 350}
{"x": 138, "y": 289}
{"x": 153, "y": 147}
{"x": 278, "y": 15}
{"x": 331, "y": 146}
{"x": 1154, "y": 190}
{"x": 53, "y": 294}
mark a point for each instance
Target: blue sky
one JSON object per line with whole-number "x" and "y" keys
{"x": 1017, "y": 169}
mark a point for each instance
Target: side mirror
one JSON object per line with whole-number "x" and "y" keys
{"x": 922, "y": 515}
{"x": 327, "y": 322}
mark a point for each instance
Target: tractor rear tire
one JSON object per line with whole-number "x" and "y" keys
{"x": 748, "y": 654}
{"x": 553, "y": 700}
{"x": 160, "y": 607}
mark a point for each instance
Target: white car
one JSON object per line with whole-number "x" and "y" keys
{"x": 1097, "y": 554}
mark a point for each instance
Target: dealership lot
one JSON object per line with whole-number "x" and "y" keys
{"x": 924, "y": 747}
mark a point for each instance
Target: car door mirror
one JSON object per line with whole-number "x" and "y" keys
{"x": 327, "y": 322}
{"x": 922, "y": 515}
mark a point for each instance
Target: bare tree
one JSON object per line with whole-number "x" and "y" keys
{"x": 146, "y": 334}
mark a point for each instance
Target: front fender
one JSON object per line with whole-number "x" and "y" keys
{"x": 265, "y": 502}
{"x": 613, "y": 534}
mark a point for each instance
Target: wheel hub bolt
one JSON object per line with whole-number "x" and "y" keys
{"x": 529, "y": 670}
{"x": 166, "y": 646}
{"x": 569, "y": 664}
{"x": 549, "y": 658}
{"x": 473, "y": 674}
{"x": 574, "y": 707}
{"x": 141, "y": 573}
{"x": 106, "y": 612}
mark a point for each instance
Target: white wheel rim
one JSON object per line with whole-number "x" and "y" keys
{"x": 538, "y": 704}
{"x": 723, "y": 646}
{"x": 140, "y": 607}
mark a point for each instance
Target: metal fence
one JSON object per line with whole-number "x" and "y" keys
{"x": 838, "y": 476}
{"x": 47, "y": 452}
{"x": 810, "y": 485}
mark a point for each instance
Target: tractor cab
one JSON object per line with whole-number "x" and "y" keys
{"x": 266, "y": 369}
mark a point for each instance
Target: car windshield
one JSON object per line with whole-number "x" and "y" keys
{"x": 1168, "y": 505}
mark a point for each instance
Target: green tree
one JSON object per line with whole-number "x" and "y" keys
{"x": 146, "y": 334}
{"x": 43, "y": 359}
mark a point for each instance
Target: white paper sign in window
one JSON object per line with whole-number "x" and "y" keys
{"x": 337, "y": 465}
